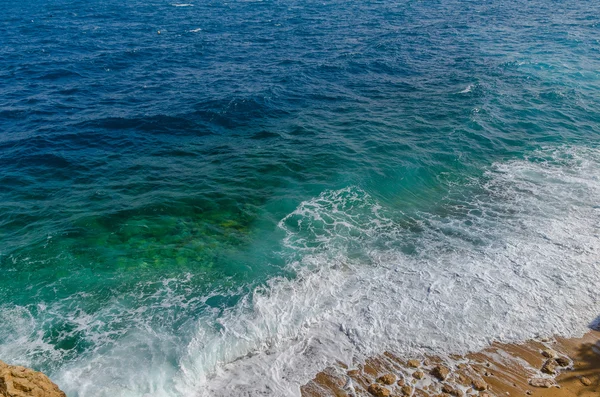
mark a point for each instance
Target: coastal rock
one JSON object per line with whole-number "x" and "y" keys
{"x": 418, "y": 374}
{"x": 563, "y": 361}
{"x": 16, "y": 381}
{"x": 549, "y": 367}
{"x": 440, "y": 372}
{"x": 448, "y": 389}
{"x": 379, "y": 391}
{"x": 542, "y": 382}
{"x": 479, "y": 384}
{"x": 406, "y": 390}
{"x": 549, "y": 353}
{"x": 414, "y": 363}
{"x": 400, "y": 382}
{"x": 387, "y": 379}
{"x": 585, "y": 381}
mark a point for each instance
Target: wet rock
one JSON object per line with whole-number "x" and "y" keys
{"x": 440, "y": 372}
{"x": 563, "y": 361}
{"x": 379, "y": 391}
{"x": 585, "y": 381}
{"x": 529, "y": 392}
{"x": 447, "y": 389}
{"x": 353, "y": 373}
{"x": 18, "y": 381}
{"x": 406, "y": 390}
{"x": 458, "y": 393}
{"x": 387, "y": 379}
{"x": 479, "y": 384}
{"x": 549, "y": 367}
{"x": 418, "y": 374}
{"x": 549, "y": 353}
{"x": 414, "y": 363}
{"x": 542, "y": 382}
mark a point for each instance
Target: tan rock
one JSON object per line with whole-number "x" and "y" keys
{"x": 18, "y": 381}
{"x": 549, "y": 367}
{"x": 387, "y": 379}
{"x": 479, "y": 384}
{"x": 418, "y": 374}
{"x": 447, "y": 389}
{"x": 585, "y": 381}
{"x": 542, "y": 382}
{"x": 549, "y": 353}
{"x": 379, "y": 391}
{"x": 414, "y": 363}
{"x": 401, "y": 382}
{"x": 406, "y": 390}
{"x": 458, "y": 393}
{"x": 563, "y": 361}
{"x": 440, "y": 372}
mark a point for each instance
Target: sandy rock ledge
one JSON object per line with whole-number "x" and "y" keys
{"x": 16, "y": 381}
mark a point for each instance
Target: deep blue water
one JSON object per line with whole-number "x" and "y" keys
{"x": 179, "y": 181}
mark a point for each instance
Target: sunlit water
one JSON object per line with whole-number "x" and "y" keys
{"x": 222, "y": 198}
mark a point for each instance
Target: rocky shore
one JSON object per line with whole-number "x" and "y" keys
{"x": 16, "y": 381}
{"x": 542, "y": 368}
{"x": 545, "y": 368}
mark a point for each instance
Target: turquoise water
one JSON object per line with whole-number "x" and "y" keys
{"x": 266, "y": 187}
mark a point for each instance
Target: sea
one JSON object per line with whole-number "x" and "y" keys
{"x": 224, "y": 197}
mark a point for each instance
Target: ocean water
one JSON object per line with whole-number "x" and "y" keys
{"x": 224, "y": 197}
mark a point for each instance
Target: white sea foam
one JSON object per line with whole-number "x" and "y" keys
{"x": 517, "y": 259}
{"x": 511, "y": 256}
{"x": 467, "y": 90}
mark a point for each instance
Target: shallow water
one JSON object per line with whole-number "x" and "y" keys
{"x": 266, "y": 187}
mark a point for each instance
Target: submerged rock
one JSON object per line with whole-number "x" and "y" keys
{"x": 16, "y": 381}
{"x": 563, "y": 361}
{"x": 585, "y": 381}
{"x": 549, "y": 353}
{"x": 549, "y": 367}
{"x": 542, "y": 382}
{"x": 479, "y": 384}
{"x": 387, "y": 379}
{"x": 379, "y": 391}
{"x": 440, "y": 372}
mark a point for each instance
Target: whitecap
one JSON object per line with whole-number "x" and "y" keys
{"x": 467, "y": 90}
{"x": 515, "y": 260}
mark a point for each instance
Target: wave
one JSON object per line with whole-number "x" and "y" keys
{"x": 513, "y": 259}
{"x": 509, "y": 256}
